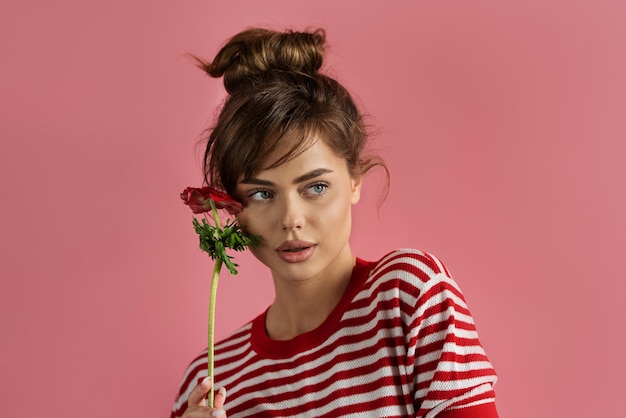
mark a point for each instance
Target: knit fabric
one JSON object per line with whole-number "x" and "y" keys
{"x": 401, "y": 342}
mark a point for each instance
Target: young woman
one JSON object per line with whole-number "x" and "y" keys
{"x": 344, "y": 337}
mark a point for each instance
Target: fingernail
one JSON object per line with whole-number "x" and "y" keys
{"x": 222, "y": 391}
{"x": 218, "y": 413}
{"x": 206, "y": 380}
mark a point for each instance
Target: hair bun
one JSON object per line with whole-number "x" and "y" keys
{"x": 256, "y": 52}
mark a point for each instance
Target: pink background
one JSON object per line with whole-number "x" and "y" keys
{"x": 503, "y": 123}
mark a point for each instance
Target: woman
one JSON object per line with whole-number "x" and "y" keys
{"x": 344, "y": 336}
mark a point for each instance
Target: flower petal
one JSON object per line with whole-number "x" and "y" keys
{"x": 198, "y": 199}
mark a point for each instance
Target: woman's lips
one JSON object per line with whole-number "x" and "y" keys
{"x": 295, "y": 251}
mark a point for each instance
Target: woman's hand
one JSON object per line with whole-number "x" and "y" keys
{"x": 196, "y": 404}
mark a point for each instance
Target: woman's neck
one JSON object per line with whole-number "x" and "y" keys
{"x": 302, "y": 306}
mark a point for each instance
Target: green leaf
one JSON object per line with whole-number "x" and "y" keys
{"x": 215, "y": 241}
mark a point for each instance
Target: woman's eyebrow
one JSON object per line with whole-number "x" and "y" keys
{"x": 256, "y": 181}
{"x": 311, "y": 175}
{"x": 307, "y": 176}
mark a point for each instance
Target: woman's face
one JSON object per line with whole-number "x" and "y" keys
{"x": 302, "y": 211}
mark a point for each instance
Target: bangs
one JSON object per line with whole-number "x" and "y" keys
{"x": 284, "y": 146}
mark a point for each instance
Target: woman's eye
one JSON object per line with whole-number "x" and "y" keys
{"x": 317, "y": 189}
{"x": 260, "y": 195}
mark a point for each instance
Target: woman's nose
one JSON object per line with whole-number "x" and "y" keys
{"x": 293, "y": 216}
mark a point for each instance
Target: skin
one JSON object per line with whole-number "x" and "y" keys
{"x": 308, "y": 198}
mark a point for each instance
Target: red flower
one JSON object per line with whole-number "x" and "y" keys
{"x": 198, "y": 200}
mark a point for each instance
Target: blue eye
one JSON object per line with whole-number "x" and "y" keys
{"x": 260, "y": 195}
{"x": 317, "y": 189}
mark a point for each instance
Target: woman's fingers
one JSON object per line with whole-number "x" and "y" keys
{"x": 197, "y": 396}
{"x": 220, "y": 398}
{"x": 218, "y": 403}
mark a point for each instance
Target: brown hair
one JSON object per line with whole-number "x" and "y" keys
{"x": 278, "y": 96}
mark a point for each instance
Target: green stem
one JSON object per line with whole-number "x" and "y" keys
{"x": 216, "y": 217}
{"x": 211, "y": 350}
{"x": 213, "y": 297}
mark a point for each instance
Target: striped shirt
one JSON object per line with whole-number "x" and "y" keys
{"x": 401, "y": 342}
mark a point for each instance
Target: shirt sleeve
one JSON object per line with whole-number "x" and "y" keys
{"x": 452, "y": 375}
{"x": 195, "y": 373}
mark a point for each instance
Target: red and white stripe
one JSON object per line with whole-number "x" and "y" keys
{"x": 401, "y": 342}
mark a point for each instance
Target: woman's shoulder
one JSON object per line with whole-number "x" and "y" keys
{"x": 411, "y": 272}
{"x": 412, "y": 262}
{"x": 417, "y": 279}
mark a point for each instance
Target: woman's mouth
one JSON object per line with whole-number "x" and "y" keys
{"x": 295, "y": 251}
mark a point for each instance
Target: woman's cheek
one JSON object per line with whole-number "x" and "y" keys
{"x": 246, "y": 219}
{"x": 243, "y": 221}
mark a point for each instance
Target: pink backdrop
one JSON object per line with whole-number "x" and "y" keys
{"x": 503, "y": 123}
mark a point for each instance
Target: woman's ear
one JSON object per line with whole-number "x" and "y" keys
{"x": 356, "y": 189}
